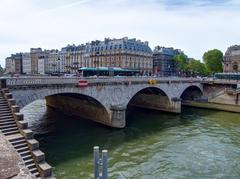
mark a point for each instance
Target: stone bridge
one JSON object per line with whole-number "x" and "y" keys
{"x": 104, "y": 100}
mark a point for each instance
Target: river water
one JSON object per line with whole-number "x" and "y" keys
{"x": 195, "y": 144}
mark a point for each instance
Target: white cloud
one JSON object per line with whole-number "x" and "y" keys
{"x": 193, "y": 28}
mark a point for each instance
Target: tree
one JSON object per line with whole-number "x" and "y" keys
{"x": 197, "y": 68}
{"x": 181, "y": 62}
{"x": 213, "y": 60}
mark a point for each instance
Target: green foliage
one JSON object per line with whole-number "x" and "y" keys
{"x": 213, "y": 60}
{"x": 189, "y": 67}
{"x": 197, "y": 68}
{"x": 181, "y": 62}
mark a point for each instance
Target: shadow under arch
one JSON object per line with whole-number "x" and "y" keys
{"x": 80, "y": 105}
{"x": 150, "y": 98}
{"x": 191, "y": 93}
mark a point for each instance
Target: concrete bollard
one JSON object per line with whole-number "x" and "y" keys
{"x": 11, "y": 102}
{"x": 15, "y": 109}
{"x": 104, "y": 164}
{"x": 100, "y": 162}
{"x": 96, "y": 161}
{"x": 22, "y": 124}
{"x": 33, "y": 144}
{"x": 8, "y": 95}
{"x": 38, "y": 156}
{"x": 5, "y": 90}
{"x": 45, "y": 170}
{"x": 27, "y": 133}
{"x": 18, "y": 116}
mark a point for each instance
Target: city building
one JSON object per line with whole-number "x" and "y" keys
{"x": 14, "y": 64}
{"x": 36, "y": 55}
{"x": 9, "y": 65}
{"x": 72, "y": 58}
{"x": 232, "y": 59}
{"x": 26, "y": 63}
{"x": 52, "y": 64}
{"x": 163, "y": 63}
{"x": 124, "y": 53}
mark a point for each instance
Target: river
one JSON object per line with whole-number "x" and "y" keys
{"x": 195, "y": 144}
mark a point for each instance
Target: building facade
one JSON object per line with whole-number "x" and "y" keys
{"x": 14, "y": 64}
{"x": 72, "y": 58}
{"x": 163, "y": 63}
{"x": 124, "y": 53}
{"x": 37, "y": 57}
{"x": 232, "y": 59}
{"x": 26, "y": 63}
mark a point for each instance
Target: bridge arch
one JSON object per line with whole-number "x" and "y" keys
{"x": 191, "y": 93}
{"x": 24, "y": 98}
{"x": 79, "y": 101}
{"x": 150, "y": 97}
{"x": 80, "y": 105}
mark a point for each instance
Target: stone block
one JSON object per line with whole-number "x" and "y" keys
{"x": 5, "y": 90}
{"x": 33, "y": 144}
{"x": 45, "y": 170}
{"x": 15, "y": 109}
{"x": 18, "y": 116}
{"x": 22, "y": 124}
{"x": 38, "y": 156}
{"x": 8, "y": 95}
{"x": 27, "y": 133}
{"x": 11, "y": 102}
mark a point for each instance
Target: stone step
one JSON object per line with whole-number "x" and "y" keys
{"x": 4, "y": 104}
{"x": 5, "y": 110}
{"x": 25, "y": 153}
{"x": 7, "y": 122}
{"x": 4, "y": 116}
{"x": 11, "y": 133}
{"x": 15, "y": 138}
{"x": 34, "y": 170}
{"x": 5, "y": 119}
{"x": 20, "y": 141}
{"x": 3, "y": 100}
{"x": 10, "y": 129}
{"x": 29, "y": 161}
{"x": 23, "y": 144}
{"x": 31, "y": 165}
{"x": 37, "y": 175}
{"x": 4, "y": 107}
{"x": 27, "y": 157}
{"x": 23, "y": 149}
{"x": 6, "y": 126}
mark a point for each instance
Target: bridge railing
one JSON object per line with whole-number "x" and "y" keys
{"x": 30, "y": 81}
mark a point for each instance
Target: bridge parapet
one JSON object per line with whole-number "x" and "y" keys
{"x": 37, "y": 81}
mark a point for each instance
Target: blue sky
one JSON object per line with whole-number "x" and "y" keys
{"x": 194, "y": 26}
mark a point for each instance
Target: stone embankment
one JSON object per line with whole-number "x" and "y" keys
{"x": 20, "y": 154}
